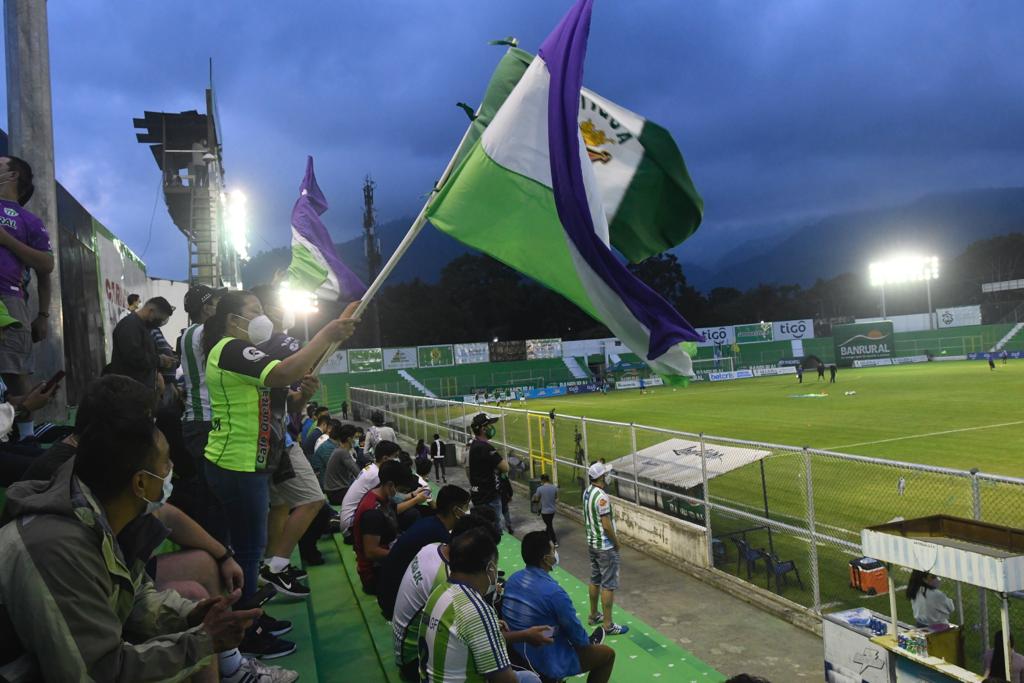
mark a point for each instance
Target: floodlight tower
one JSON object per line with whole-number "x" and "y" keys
{"x": 372, "y": 243}
{"x": 906, "y": 268}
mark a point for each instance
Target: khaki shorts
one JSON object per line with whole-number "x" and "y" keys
{"x": 303, "y": 488}
{"x": 16, "y": 343}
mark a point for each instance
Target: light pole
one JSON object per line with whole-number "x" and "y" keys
{"x": 906, "y": 268}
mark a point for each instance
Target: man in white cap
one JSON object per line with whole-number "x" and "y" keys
{"x": 603, "y": 548}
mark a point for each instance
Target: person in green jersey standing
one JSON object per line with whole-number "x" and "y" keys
{"x": 603, "y": 548}
{"x": 239, "y": 377}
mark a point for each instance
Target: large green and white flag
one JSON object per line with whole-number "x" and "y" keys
{"x": 648, "y": 197}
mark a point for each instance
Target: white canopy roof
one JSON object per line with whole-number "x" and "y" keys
{"x": 678, "y": 462}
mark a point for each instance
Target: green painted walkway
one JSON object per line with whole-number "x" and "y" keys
{"x": 341, "y": 633}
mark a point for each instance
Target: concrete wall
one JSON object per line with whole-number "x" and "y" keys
{"x": 174, "y": 292}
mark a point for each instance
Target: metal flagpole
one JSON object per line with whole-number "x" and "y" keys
{"x": 403, "y": 246}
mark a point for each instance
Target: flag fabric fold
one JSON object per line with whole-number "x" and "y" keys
{"x": 526, "y": 194}
{"x": 315, "y": 265}
{"x": 646, "y": 190}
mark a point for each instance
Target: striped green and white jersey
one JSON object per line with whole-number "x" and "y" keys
{"x": 193, "y": 366}
{"x": 597, "y": 504}
{"x": 427, "y": 571}
{"x": 460, "y": 640}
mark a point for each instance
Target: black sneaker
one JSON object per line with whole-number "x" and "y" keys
{"x": 597, "y": 637}
{"x": 275, "y": 627}
{"x": 296, "y": 572}
{"x": 260, "y": 644}
{"x": 284, "y": 583}
{"x": 313, "y": 558}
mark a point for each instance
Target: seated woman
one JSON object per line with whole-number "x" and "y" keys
{"x": 931, "y": 606}
{"x": 994, "y": 663}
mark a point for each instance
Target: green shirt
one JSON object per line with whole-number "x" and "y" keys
{"x": 236, "y": 374}
{"x": 597, "y": 504}
{"x": 460, "y": 639}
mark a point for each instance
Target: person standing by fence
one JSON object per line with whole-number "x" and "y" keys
{"x": 603, "y": 548}
{"x": 485, "y": 464}
{"x": 437, "y": 455}
{"x": 547, "y": 495}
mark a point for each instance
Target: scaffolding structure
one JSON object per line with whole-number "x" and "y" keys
{"x": 187, "y": 149}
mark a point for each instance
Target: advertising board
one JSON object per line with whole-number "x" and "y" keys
{"x": 755, "y": 332}
{"x": 400, "y": 358}
{"x": 793, "y": 329}
{"x": 723, "y": 334}
{"x": 436, "y": 356}
{"x": 959, "y": 316}
{"x": 472, "y": 353}
{"x": 863, "y": 341}
{"x": 336, "y": 364}
{"x": 365, "y": 360}
{"x": 771, "y": 371}
{"x": 507, "y": 350}
{"x": 725, "y": 376}
{"x": 543, "y": 348}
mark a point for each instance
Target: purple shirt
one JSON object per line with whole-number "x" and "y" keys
{"x": 28, "y": 228}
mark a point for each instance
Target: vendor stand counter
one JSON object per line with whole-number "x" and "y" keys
{"x": 964, "y": 550}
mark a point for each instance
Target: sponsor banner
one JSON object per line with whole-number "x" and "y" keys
{"x": 906, "y": 360}
{"x": 543, "y": 348}
{"x": 472, "y": 353}
{"x": 755, "y": 332}
{"x": 793, "y": 329}
{"x": 723, "y": 334}
{"x": 582, "y": 388}
{"x": 336, "y": 364}
{"x": 635, "y": 383}
{"x": 872, "y": 362}
{"x": 399, "y": 359}
{"x": 948, "y": 358}
{"x": 959, "y": 316}
{"x": 789, "y": 361}
{"x": 365, "y": 360}
{"x": 507, "y": 350}
{"x": 546, "y": 392}
{"x": 437, "y": 356}
{"x": 121, "y": 273}
{"x": 863, "y": 341}
{"x": 770, "y": 371}
{"x": 996, "y": 355}
{"x": 725, "y": 376}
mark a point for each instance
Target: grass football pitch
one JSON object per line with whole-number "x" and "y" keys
{"x": 953, "y": 414}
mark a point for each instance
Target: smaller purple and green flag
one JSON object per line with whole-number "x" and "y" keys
{"x": 316, "y": 266}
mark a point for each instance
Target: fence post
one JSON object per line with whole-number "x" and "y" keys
{"x": 815, "y": 580}
{"x": 982, "y": 593}
{"x": 636, "y": 478}
{"x": 504, "y": 437}
{"x": 448, "y": 420}
{"x": 554, "y": 455}
{"x": 707, "y": 502}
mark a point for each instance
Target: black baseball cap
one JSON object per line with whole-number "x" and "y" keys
{"x": 482, "y": 420}
{"x": 198, "y": 296}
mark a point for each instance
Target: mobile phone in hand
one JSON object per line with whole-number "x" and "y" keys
{"x": 257, "y": 599}
{"x": 53, "y": 381}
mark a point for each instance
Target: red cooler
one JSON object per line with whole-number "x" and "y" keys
{"x": 868, "y": 575}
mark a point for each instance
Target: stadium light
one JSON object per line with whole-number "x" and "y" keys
{"x": 236, "y": 222}
{"x": 300, "y": 301}
{"x": 902, "y": 268}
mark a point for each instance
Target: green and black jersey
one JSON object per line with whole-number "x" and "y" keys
{"x": 236, "y": 374}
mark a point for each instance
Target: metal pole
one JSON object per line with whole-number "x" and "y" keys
{"x": 636, "y": 476}
{"x": 931, "y": 314}
{"x": 982, "y": 593}
{"x": 30, "y": 129}
{"x": 554, "y": 456}
{"x": 582, "y": 476}
{"x": 883, "y": 301}
{"x": 893, "y": 629}
{"x": 707, "y": 502}
{"x": 815, "y": 582}
{"x": 1004, "y": 614}
{"x": 764, "y": 496}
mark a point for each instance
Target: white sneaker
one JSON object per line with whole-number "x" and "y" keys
{"x": 255, "y": 671}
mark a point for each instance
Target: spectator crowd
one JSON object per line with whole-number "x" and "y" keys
{"x": 144, "y": 542}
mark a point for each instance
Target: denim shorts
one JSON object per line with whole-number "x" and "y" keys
{"x": 604, "y": 568}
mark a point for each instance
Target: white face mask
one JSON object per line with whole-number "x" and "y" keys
{"x": 165, "y": 493}
{"x": 288, "y": 319}
{"x": 261, "y": 329}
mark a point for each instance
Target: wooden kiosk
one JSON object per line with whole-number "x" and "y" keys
{"x": 968, "y": 551}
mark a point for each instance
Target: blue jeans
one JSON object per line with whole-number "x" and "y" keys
{"x": 246, "y": 500}
{"x": 496, "y": 506}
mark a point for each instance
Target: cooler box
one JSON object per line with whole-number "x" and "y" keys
{"x": 868, "y": 575}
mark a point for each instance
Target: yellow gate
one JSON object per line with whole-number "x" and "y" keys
{"x": 541, "y": 442}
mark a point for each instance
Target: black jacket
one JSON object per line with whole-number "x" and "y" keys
{"x": 134, "y": 351}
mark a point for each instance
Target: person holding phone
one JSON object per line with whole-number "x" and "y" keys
{"x": 532, "y": 598}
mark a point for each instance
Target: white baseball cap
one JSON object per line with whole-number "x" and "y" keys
{"x": 598, "y": 470}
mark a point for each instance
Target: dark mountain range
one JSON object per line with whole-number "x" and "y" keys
{"x": 941, "y": 224}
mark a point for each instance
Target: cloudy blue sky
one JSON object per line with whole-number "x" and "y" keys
{"x": 784, "y": 109}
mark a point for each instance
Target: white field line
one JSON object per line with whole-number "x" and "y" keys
{"x": 923, "y": 436}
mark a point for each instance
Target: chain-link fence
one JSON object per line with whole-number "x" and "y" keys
{"x": 784, "y": 518}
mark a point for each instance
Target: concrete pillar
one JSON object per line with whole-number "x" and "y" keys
{"x": 30, "y": 119}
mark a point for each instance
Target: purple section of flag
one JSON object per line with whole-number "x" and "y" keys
{"x": 563, "y": 52}
{"x": 306, "y": 221}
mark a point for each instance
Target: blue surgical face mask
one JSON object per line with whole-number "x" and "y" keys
{"x": 165, "y": 492}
